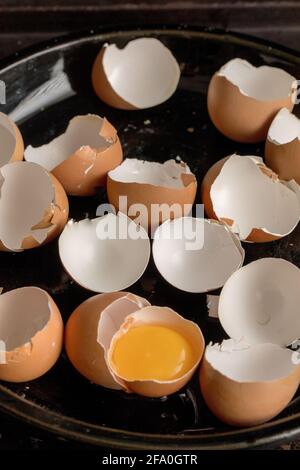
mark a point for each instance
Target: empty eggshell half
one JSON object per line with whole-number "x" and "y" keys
{"x": 11, "y": 141}
{"x": 31, "y": 334}
{"x": 154, "y": 191}
{"x": 282, "y": 149}
{"x": 89, "y": 331}
{"x": 105, "y": 254}
{"x": 162, "y": 316}
{"x": 258, "y": 206}
{"x": 247, "y": 385}
{"x": 196, "y": 255}
{"x": 243, "y": 100}
{"x": 33, "y": 206}
{"x": 81, "y": 157}
{"x": 260, "y": 303}
{"x": 141, "y": 75}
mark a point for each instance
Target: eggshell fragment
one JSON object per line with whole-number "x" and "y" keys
{"x": 196, "y": 255}
{"x": 105, "y": 254}
{"x": 260, "y": 303}
{"x": 31, "y": 330}
{"x": 141, "y": 75}
{"x": 169, "y": 188}
{"x": 81, "y": 157}
{"x": 258, "y": 206}
{"x": 11, "y": 141}
{"x": 243, "y": 100}
{"x": 89, "y": 331}
{"x": 38, "y": 203}
{"x": 247, "y": 385}
{"x": 166, "y": 317}
{"x": 282, "y": 150}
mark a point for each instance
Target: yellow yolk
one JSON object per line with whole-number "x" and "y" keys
{"x": 152, "y": 352}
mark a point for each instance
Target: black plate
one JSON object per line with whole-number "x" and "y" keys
{"x": 62, "y": 401}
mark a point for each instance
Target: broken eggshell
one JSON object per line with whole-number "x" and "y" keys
{"x": 90, "y": 328}
{"x": 260, "y": 303}
{"x": 11, "y": 141}
{"x": 81, "y": 157}
{"x": 196, "y": 255}
{"x": 258, "y": 207}
{"x": 170, "y": 187}
{"x": 282, "y": 149}
{"x": 243, "y": 100}
{"x": 95, "y": 326}
{"x": 247, "y": 385}
{"x": 104, "y": 254}
{"x": 38, "y": 203}
{"x": 141, "y": 75}
{"x": 163, "y": 316}
{"x": 31, "y": 334}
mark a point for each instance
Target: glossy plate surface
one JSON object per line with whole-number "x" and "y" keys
{"x": 48, "y": 85}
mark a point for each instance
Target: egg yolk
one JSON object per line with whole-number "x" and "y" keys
{"x": 152, "y": 352}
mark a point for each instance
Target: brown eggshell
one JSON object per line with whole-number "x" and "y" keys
{"x": 56, "y": 217}
{"x": 149, "y": 194}
{"x": 19, "y": 148}
{"x": 85, "y": 170}
{"x": 256, "y": 235}
{"x": 18, "y": 152}
{"x": 284, "y": 159}
{"x": 103, "y": 88}
{"x": 240, "y": 117}
{"x": 245, "y": 404}
{"x": 166, "y": 317}
{"x": 73, "y": 173}
{"x": 82, "y": 347}
{"x": 35, "y": 358}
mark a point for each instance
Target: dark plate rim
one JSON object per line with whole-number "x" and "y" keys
{"x": 10, "y": 402}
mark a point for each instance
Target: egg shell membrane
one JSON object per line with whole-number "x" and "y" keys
{"x": 149, "y": 194}
{"x": 259, "y": 303}
{"x": 162, "y": 316}
{"x": 89, "y": 326}
{"x": 85, "y": 170}
{"x": 39, "y": 338}
{"x": 103, "y": 265}
{"x": 282, "y": 149}
{"x": 53, "y": 218}
{"x": 14, "y": 151}
{"x": 258, "y": 235}
{"x": 106, "y": 91}
{"x": 240, "y": 402}
{"x": 203, "y": 269}
{"x": 240, "y": 117}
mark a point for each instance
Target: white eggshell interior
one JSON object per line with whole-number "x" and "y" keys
{"x": 144, "y": 73}
{"x": 285, "y": 128}
{"x": 26, "y": 192}
{"x": 23, "y": 313}
{"x": 7, "y": 139}
{"x": 103, "y": 254}
{"x": 82, "y": 131}
{"x": 256, "y": 363}
{"x": 196, "y": 255}
{"x": 114, "y": 315}
{"x": 166, "y": 175}
{"x": 263, "y": 83}
{"x": 251, "y": 199}
{"x": 260, "y": 302}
